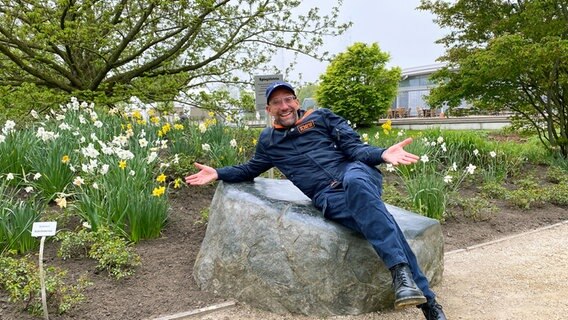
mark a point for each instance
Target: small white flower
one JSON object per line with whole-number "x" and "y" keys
{"x": 377, "y": 136}
{"x": 448, "y": 179}
{"x": 470, "y": 169}
{"x": 400, "y": 133}
{"x": 34, "y": 114}
{"x": 29, "y": 189}
{"x": 2, "y": 138}
{"x": 104, "y": 169}
{"x": 132, "y": 173}
{"x": 72, "y": 168}
{"x": 202, "y": 127}
{"x": 60, "y": 117}
{"x": 95, "y": 185}
{"x": 443, "y": 146}
{"x": 78, "y": 181}
{"x": 10, "y": 176}
{"x": 390, "y": 167}
{"x": 37, "y": 176}
{"x": 454, "y": 167}
{"x": 475, "y": 152}
{"x": 142, "y": 142}
{"x": 152, "y": 157}
{"x": 492, "y": 154}
{"x": 86, "y": 225}
{"x": 206, "y": 147}
{"x": 98, "y": 124}
{"x": 64, "y": 126}
{"x": 424, "y": 158}
{"x": 440, "y": 140}
{"x": 176, "y": 159}
{"x": 433, "y": 143}
{"x": 90, "y": 151}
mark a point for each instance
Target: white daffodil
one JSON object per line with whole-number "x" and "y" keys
{"x": 37, "y": 176}
{"x": 78, "y": 181}
{"x": 90, "y": 151}
{"x": 104, "y": 169}
{"x": 202, "y": 127}
{"x": 493, "y": 154}
{"x": 470, "y": 169}
{"x": 152, "y": 157}
{"x": 448, "y": 179}
{"x": 475, "y": 152}
{"x": 390, "y": 167}
{"x": 206, "y": 147}
{"x": 454, "y": 167}
{"x": 424, "y": 158}
{"x": 10, "y": 176}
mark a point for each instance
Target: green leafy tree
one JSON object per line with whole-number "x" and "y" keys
{"x": 306, "y": 91}
{"x": 109, "y": 51}
{"x": 507, "y": 55}
{"x": 357, "y": 85}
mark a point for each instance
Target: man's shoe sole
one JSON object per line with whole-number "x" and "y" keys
{"x": 409, "y": 301}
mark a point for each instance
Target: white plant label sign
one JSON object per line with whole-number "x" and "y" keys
{"x": 44, "y": 229}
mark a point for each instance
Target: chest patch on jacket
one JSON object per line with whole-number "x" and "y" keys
{"x": 306, "y": 126}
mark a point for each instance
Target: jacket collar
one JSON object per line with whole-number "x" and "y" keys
{"x": 302, "y": 113}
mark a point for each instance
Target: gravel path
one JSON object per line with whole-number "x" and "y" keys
{"x": 519, "y": 277}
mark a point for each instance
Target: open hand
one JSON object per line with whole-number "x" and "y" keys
{"x": 396, "y": 154}
{"x": 205, "y": 175}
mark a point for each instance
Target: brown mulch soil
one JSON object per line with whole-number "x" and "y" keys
{"x": 164, "y": 284}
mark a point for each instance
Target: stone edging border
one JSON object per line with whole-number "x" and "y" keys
{"x": 505, "y": 238}
{"x": 200, "y": 311}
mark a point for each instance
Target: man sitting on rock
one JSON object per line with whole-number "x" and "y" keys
{"x": 325, "y": 158}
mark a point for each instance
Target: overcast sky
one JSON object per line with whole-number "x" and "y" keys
{"x": 407, "y": 34}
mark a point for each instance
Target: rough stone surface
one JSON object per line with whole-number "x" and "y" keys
{"x": 266, "y": 245}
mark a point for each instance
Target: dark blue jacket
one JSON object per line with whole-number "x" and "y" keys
{"x": 312, "y": 154}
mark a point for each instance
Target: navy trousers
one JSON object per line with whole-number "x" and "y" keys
{"x": 357, "y": 205}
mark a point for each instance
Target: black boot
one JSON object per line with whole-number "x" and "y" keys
{"x": 432, "y": 311}
{"x": 406, "y": 292}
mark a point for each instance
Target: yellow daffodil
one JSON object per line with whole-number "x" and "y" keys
{"x": 387, "y": 126}
{"x": 158, "y": 191}
{"x": 155, "y": 120}
{"x": 177, "y": 183}
{"x": 178, "y": 126}
{"x": 65, "y": 159}
{"x": 161, "y": 178}
{"x": 122, "y": 164}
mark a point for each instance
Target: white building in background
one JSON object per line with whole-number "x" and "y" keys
{"x": 414, "y": 87}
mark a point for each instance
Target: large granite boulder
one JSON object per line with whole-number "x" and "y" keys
{"x": 266, "y": 245}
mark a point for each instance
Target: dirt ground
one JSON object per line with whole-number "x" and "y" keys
{"x": 164, "y": 284}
